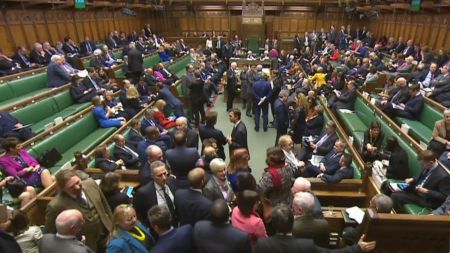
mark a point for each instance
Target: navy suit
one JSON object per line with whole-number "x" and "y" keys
{"x": 145, "y": 198}
{"x": 150, "y": 122}
{"x": 211, "y": 132}
{"x": 84, "y": 48}
{"x": 172, "y": 101}
{"x": 238, "y": 137}
{"x": 107, "y": 165}
{"x": 7, "y": 125}
{"x": 330, "y": 161}
{"x": 192, "y": 206}
{"x": 178, "y": 240}
{"x": 281, "y": 118}
{"x": 413, "y": 108}
{"x": 324, "y": 148}
{"x": 261, "y": 89}
{"x": 408, "y": 51}
{"x": 56, "y": 75}
{"x": 181, "y": 160}
{"x": 342, "y": 173}
{"x": 134, "y": 137}
{"x": 130, "y": 160}
{"x": 346, "y": 100}
{"x": 220, "y": 238}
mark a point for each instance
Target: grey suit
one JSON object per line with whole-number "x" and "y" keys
{"x": 50, "y": 243}
{"x": 308, "y": 227}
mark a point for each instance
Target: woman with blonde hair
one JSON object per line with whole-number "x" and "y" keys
{"x": 159, "y": 116}
{"x": 128, "y": 235}
{"x": 132, "y": 102}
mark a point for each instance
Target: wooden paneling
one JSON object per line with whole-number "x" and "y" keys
{"x": 425, "y": 29}
{"x": 25, "y": 27}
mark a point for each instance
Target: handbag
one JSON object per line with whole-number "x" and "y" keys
{"x": 16, "y": 186}
{"x": 50, "y": 158}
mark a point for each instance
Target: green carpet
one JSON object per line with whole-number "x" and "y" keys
{"x": 258, "y": 141}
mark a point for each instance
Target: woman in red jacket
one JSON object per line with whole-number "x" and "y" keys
{"x": 167, "y": 123}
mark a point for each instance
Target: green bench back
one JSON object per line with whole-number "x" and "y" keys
{"x": 63, "y": 100}
{"x": 6, "y": 93}
{"x": 37, "y": 111}
{"x": 180, "y": 65}
{"x": 149, "y": 62}
{"x": 429, "y": 116}
{"x": 26, "y": 85}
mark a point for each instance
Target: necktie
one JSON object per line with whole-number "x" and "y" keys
{"x": 83, "y": 201}
{"x": 25, "y": 60}
{"x": 169, "y": 202}
{"x": 423, "y": 177}
{"x": 94, "y": 83}
{"x": 88, "y": 46}
{"x": 130, "y": 151}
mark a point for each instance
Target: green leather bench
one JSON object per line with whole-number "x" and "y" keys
{"x": 422, "y": 129}
{"x": 21, "y": 89}
{"x": 83, "y": 135}
{"x": 45, "y": 111}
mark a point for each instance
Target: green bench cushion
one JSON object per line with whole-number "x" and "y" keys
{"x": 119, "y": 73}
{"x": 6, "y": 93}
{"x": 416, "y": 210}
{"x": 417, "y": 129}
{"x": 352, "y": 122}
{"x": 36, "y": 112}
{"x": 28, "y": 84}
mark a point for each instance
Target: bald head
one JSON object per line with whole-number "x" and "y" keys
{"x": 301, "y": 184}
{"x": 69, "y": 222}
{"x": 401, "y": 82}
{"x": 154, "y": 153}
{"x": 196, "y": 178}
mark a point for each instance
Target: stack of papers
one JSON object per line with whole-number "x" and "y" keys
{"x": 355, "y": 213}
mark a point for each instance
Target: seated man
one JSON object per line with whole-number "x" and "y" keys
{"x": 11, "y": 127}
{"x": 398, "y": 95}
{"x": 329, "y": 164}
{"x": 429, "y": 189}
{"x": 323, "y": 145}
{"x": 305, "y": 225}
{"x": 441, "y": 84}
{"x": 344, "y": 172}
{"x": 345, "y": 99}
{"x": 58, "y": 73}
{"x": 122, "y": 152}
{"x": 412, "y": 108}
{"x": 152, "y": 137}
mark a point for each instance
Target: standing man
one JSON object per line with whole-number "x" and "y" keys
{"x": 281, "y": 114}
{"x": 135, "y": 63}
{"x": 86, "y": 197}
{"x": 262, "y": 92}
{"x": 232, "y": 81}
{"x": 238, "y": 138}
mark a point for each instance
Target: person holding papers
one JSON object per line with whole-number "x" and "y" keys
{"x": 262, "y": 91}
{"x": 344, "y": 172}
{"x": 428, "y": 189}
{"x": 322, "y": 146}
{"x": 328, "y": 165}
{"x": 412, "y": 108}
{"x": 345, "y": 99}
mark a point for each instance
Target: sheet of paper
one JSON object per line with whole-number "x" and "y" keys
{"x": 355, "y": 213}
{"x": 315, "y": 160}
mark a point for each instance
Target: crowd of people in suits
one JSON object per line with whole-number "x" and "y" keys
{"x": 187, "y": 190}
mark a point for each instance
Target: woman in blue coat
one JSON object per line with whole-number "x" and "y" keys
{"x": 128, "y": 236}
{"x": 102, "y": 113}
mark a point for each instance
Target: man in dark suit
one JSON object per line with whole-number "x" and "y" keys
{"x": 190, "y": 203}
{"x": 70, "y": 47}
{"x": 153, "y": 153}
{"x": 23, "y": 59}
{"x": 409, "y": 49}
{"x": 232, "y": 81}
{"x": 68, "y": 226}
{"x": 37, "y": 55}
{"x": 122, "y": 152}
{"x": 344, "y": 172}
{"x": 441, "y": 91}
{"x": 323, "y": 145}
{"x": 281, "y": 121}
{"x": 170, "y": 239}
{"x": 181, "y": 159}
{"x": 11, "y": 127}
{"x": 262, "y": 93}
{"x": 152, "y": 137}
{"x": 173, "y": 102}
{"x": 238, "y": 138}
{"x": 428, "y": 189}
{"x": 302, "y": 184}
{"x": 219, "y": 45}
{"x": 329, "y": 164}
{"x": 135, "y": 135}
{"x": 208, "y": 131}
{"x": 148, "y": 121}
{"x": 87, "y": 47}
{"x": 413, "y": 106}
{"x": 298, "y": 43}
{"x": 97, "y": 60}
{"x": 282, "y": 220}
{"x": 305, "y": 225}
{"x": 135, "y": 63}
{"x": 86, "y": 197}
{"x": 398, "y": 96}
{"x": 56, "y": 74}
{"x": 191, "y": 134}
{"x": 400, "y": 46}
{"x": 345, "y": 99}
{"x": 111, "y": 42}
{"x": 7, "y": 65}
{"x": 158, "y": 191}
{"x": 218, "y": 235}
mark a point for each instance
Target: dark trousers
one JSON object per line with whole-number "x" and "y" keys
{"x": 402, "y": 198}
{"x": 265, "y": 115}
{"x": 198, "y": 112}
{"x": 178, "y": 110}
{"x": 250, "y": 105}
{"x": 230, "y": 98}
{"x": 280, "y": 132}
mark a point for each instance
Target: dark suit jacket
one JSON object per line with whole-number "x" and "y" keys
{"x": 327, "y": 145}
{"x": 413, "y": 108}
{"x": 21, "y": 62}
{"x": 182, "y": 160}
{"x": 130, "y": 160}
{"x": 168, "y": 96}
{"x": 111, "y": 43}
{"x": 134, "y": 138}
{"x": 438, "y": 185}
{"x": 408, "y": 51}
{"x": 150, "y": 122}
{"x": 56, "y": 75}
{"x": 307, "y": 227}
{"x": 70, "y": 49}
{"x": 107, "y": 165}
{"x": 84, "y": 49}
{"x": 220, "y": 238}
{"x": 342, "y": 173}
{"x": 178, "y": 240}
{"x": 331, "y": 162}
{"x": 97, "y": 62}
{"x": 77, "y": 93}
{"x": 398, "y": 165}
{"x": 192, "y": 206}
{"x": 35, "y": 57}
{"x": 289, "y": 244}
{"x": 135, "y": 61}
{"x": 346, "y": 100}
{"x": 145, "y": 198}
{"x": 7, "y": 123}
{"x": 192, "y": 139}
{"x": 232, "y": 80}
{"x": 314, "y": 126}
{"x": 239, "y": 137}
{"x": 211, "y": 132}
{"x": 8, "y": 244}
{"x": 402, "y": 97}
{"x": 281, "y": 115}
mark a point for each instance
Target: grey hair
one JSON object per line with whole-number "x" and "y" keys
{"x": 304, "y": 201}
{"x": 217, "y": 164}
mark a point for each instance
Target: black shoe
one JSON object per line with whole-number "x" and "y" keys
{"x": 265, "y": 129}
{"x": 256, "y": 129}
